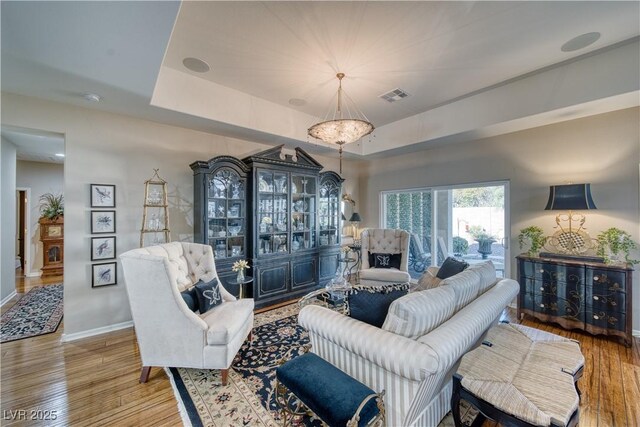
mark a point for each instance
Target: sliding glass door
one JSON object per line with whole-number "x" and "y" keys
{"x": 466, "y": 222}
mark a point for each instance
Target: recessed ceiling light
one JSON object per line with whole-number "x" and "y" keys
{"x": 580, "y": 42}
{"x": 196, "y": 65}
{"x": 297, "y": 102}
{"x": 92, "y": 97}
{"x": 59, "y": 154}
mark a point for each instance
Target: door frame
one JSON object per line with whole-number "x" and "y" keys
{"x": 27, "y": 232}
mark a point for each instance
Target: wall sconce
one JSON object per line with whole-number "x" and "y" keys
{"x": 573, "y": 240}
{"x": 355, "y": 220}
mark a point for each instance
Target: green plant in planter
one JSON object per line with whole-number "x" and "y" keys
{"x": 612, "y": 243}
{"x": 51, "y": 206}
{"x": 535, "y": 237}
{"x": 484, "y": 239}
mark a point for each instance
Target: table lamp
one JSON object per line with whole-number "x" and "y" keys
{"x": 570, "y": 197}
{"x": 355, "y": 220}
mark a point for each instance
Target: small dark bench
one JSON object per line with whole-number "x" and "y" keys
{"x": 335, "y": 397}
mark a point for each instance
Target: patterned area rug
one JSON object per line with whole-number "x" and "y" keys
{"x": 249, "y": 397}
{"x": 38, "y": 312}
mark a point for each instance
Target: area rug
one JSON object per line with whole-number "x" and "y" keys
{"x": 38, "y": 312}
{"x": 248, "y": 398}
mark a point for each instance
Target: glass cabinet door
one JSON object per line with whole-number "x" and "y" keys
{"x": 226, "y": 214}
{"x": 303, "y": 212}
{"x": 273, "y": 205}
{"x": 329, "y": 213}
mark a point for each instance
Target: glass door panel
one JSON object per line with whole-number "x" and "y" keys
{"x": 226, "y": 212}
{"x": 273, "y": 205}
{"x": 303, "y": 212}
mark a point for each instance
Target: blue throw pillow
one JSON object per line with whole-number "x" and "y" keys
{"x": 384, "y": 260}
{"x": 370, "y": 304}
{"x": 451, "y": 267}
{"x": 208, "y": 295}
{"x": 190, "y": 298}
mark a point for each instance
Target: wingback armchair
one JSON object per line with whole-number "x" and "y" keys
{"x": 385, "y": 241}
{"x": 168, "y": 332}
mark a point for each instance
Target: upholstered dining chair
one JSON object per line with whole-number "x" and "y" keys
{"x": 376, "y": 244}
{"x": 168, "y": 332}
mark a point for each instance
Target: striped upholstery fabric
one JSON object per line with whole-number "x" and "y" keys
{"x": 418, "y": 313}
{"x": 527, "y": 373}
{"x": 466, "y": 286}
{"x": 487, "y": 272}
{"x": 416, "y": 374}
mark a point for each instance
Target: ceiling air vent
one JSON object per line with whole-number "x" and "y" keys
{"x": 394, "y": 95}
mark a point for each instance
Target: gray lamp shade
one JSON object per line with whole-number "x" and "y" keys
{"x": 570, "y": 197}
{"x": 355, "y": 217}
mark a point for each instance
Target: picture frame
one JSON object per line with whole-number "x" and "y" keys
{"x": 103, "y": 196}
{"x": 103, "y": 248}
{"x": 103, "y": 222}
{"x": 104, "y": 274}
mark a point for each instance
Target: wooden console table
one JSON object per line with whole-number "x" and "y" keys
{"x": 591, "y": 296}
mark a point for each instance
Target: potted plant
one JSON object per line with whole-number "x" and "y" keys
{"x": 51, "y": 206}
{"x": 612, "y": 243}
{"x": 533, "y": 237}
{"x": 460, "y": 246}
{"x": 484, "y": 239}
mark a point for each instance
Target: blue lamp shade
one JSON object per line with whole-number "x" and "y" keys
{"x": 355, "y": 217}
{"x": 570, "y": 197}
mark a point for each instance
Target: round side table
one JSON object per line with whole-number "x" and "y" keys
{"x": 240, "y": 284}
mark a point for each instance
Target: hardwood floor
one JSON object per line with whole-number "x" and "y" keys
{"x": 95, "y": 381}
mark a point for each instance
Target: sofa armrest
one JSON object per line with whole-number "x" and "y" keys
{"x": 400, "y": 355}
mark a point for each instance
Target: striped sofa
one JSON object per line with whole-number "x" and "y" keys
{"x": 419, "y": 347}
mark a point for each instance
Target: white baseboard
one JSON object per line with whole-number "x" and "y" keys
{"x": 636, "y": 333}
{"x": 97, "y": 331}
{"x": 8, "y": 298}
{"x": 38, "y": 274}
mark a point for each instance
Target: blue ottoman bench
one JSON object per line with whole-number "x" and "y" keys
{"x": 335, "y": 397}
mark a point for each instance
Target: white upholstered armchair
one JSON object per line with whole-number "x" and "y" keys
{"x": 384, "y": 241}
{"x": 168, "y": 332}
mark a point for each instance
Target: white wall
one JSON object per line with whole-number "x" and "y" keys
{"x": 108, "y": 148}
{"x": 603, "y": 150}
{"x": 7, "y": 219}
{"x": 41, "y": 178}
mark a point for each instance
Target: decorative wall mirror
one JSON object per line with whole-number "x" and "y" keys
{"x": 348, "y": 207}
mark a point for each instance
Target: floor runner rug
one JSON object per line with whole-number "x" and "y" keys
{"x": 38, "y": 312}
{"x": 249, "y": 397}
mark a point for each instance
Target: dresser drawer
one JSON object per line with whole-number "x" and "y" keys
{"x": 606, "y": 320}
{"x": 605, "y": 299}
{"x": 604, "y": 281}
{"x": 554, "y": 273}
{"x": 554, "y": 306}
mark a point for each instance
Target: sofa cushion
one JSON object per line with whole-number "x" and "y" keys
{"x": 451, "y": 267}
{"x": 466, "y": 286}
{"x": 190, "y": 297}
{"x": 385, "y": 260}
{"x": 418, "y": 313}
{"x": 487, "y": 273}
{"x": 226, "y": 320}
{"x": 370, "y": 304}
{"x": 208, "y": 294}
{"x": 391, "y": 275}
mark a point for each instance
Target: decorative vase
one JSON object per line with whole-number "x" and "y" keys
{"x": 484, "y": 247}
{"x": 240, "y": 277}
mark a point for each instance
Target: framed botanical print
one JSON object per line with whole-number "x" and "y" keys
{"x": 103, "y": 248}
{"x": 105, "y": 274}
{"x": 103, "y": 222}
{"x": 103, "y": 196}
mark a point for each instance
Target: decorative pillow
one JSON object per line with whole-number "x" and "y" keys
{"x": 451, "y": 267}
{"x": 419, "y": 313}
{"x": 190, "y": 297}
{"x": 383, "y": 260}
{"x": 427, "y": 281}
{"x": 370, "y": 304}
{"x": 208, "y": 295}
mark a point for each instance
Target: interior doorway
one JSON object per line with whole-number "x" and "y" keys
{"x": 22, "y": 231}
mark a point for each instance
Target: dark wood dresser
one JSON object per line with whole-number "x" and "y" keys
{"x": 591, "y": 296}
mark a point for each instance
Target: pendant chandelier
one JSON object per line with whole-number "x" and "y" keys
{"x": 341, "y": 130}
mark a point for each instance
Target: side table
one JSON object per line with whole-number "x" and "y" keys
{"x": 240, "y": 284}
{"x": 357, "y": 249}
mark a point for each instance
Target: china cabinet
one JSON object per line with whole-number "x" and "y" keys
{"x": 591, "y": 296}
{"x": 277, "y": 211}
{"x": 221, "y": 212}
{"x": 330, "y": 223}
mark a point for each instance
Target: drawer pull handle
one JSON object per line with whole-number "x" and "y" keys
{"x": 542, "y": 288}
{"x": 542, "y": 305}
{"x": 596, "y": 298}
{"x": 595, "y": 316}
{"x": 596, "y": 278}
{"x": 541, "y": 271}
